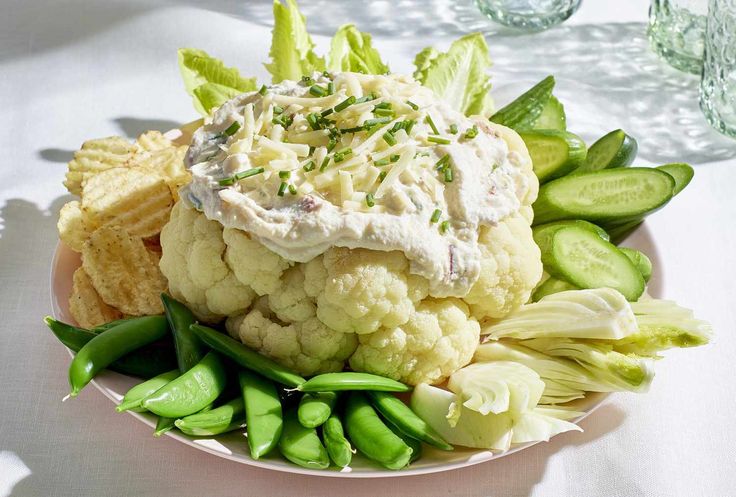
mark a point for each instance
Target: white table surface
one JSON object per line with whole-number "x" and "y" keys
{"x": 75, "y": 69}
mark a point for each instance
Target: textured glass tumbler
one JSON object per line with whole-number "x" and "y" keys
{"x": 718, "y": 84}
{"x": 677, "y": 32}
{"x": 529, "y": 15}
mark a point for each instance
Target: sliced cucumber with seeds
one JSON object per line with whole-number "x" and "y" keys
{"x": 640, "y": 260}
{"x": 526, "y": 109}
{"x": 682, "y": 174}
{"x": 611, "y": 196}
{"x": 616, "y": 149}
{"x": 553, "y": 153}
{"x": 552, "y": 285}
{"x": 619, "y": 232}
{"x": 552, "y": 116}
{"x": 584, "y": 259}
{"x": 543, "y": 233}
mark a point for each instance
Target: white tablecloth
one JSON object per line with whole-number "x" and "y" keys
{"x": 75, "y": 69}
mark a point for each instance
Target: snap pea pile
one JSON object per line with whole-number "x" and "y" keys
{"x": 589, "y": 199}
{"x": 204, "y": 383}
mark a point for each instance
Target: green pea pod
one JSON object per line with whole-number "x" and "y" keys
{"x": 106, "y": 326}
{"x": 146, "y": 362}
{"x": 401, "y": 415}
{"x": 228, "y": 417}
{"x": 264, "y": 419}
{"x": 371, "y": 436}
{"x": 338, "y": 447}
{"x": 334, "y": 382}
{"x": 190, "y": 392}
{"x": 189, "y": 349}
{"x": 315, "y": 408}
{"x": 133, "y": 397}
{"x": 414, "y": 444}
{"x": 111, "y": 345}
{"x": 163, "y": 425}
{"x": 246, "y": 357}
{"x": 302, "y": 445}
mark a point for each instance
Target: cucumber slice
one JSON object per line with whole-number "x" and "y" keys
{"x": 616, "y": 149}
{"x": 552, "y": 116}
{"x": 543, "y": 233}
{"x": 522, "y": 112}
{"x": 553, "y": 153}
{"x": 585, "y": 260}
{"x": 640, "y": 260}
{"x": 681, "y": 172}
{"x": 611, "y": 196}
{"x": 550, "y": 286}
{"x": 619, "y": 232}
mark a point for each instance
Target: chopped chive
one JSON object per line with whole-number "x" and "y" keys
{"x": 334, "y": 132}
{"x": 282, "y": 189}
{"x": 317, "y": 90}
{"x": 438, "y": 139}
{"x": 292, "y": 189}
{"x": 471, "y": 133}
{"x": 395, "y": 157}
{"x": 444, "y": 226}
{"x": 247, "y": 174}
{"x": 369, "y": 123}
{"x": 330, "y": 88}
{"x": 309, "y": 166}
{"x": 277, "y": 109}
{"x": 226, "y": 181}
{"x": 339, "y": 157}
{"x": 283, "y": 120}
{"x": 326, "y": 74}
{"x": 345, "y": 104}
{"x": 389, "y": 138}
{"x": 384, "y": 112}
{"x": 284, "y": 174}
{"x": 356, "y": 129}
{"x": 381, "y": 162}
{"x": 448, "y": 175}
{"x": 366, "y": 98}
{"x": 311, "y": 150}
{"x": 307, "y": 80}
{"x": 429, "y": 121}
{"x": 331, "y": 144}
{"x": 232, "y": 129}
{"x": 441, "y": 164}
{"x": 327, "y": 112}
{"x": 435, "y": 216}
{"x": 412, "y": 105}
{"x": 263, "y": 90}
{"x": 382, "y": 105}
{"x": 453, "y": 129}
{"x": 382, "y": 176}
{"x": 409, "y": 124}
{"x": 325, "y": 161}
{"x": 369, "y": 200}
{"x": 313, "y": 120}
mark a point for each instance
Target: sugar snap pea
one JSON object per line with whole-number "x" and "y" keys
{"x": 371, "y": 436}
{"x": 401, "y": 415}
{"x": 163, "y": 425}
{"x": 146, "y": 362}
{"x": 190, "y": 392}
{"x": 334, "y": 382}
{"x": 302, "y": 445}
{"x": 246, "y": 357}
{"x": 414, "y": 444}
{"x": 189, "y": 349}
{"x": 315, "y": 408}
{"x": 338, "y": 447}
{"x": 107, "y": 347}
{"x": 264, "y": 421}
{"x": 227, "y": 417}
{"x": 133, "y": 397}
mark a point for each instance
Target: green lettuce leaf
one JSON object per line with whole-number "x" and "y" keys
{"x": 198, "y": 70}
{"x": 292, "y": 54}
{"x": 351, "y": 50}
{"x": 459, "y": 75}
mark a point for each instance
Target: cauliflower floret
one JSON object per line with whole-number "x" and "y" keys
{"x": 510, "y": 267}
{"x": 192, "y": 261}
{"x": 362, "y": 290}
{"x": 308, "y": 347}
{"x": 254, "y": 265}
{"x": 438, "y": 339}
{"x": 290, "y": 301}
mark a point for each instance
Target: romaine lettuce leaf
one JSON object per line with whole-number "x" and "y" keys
{"x": 292, "y": 54}
{"x": 351, "y": 50}
{"x": 459, "y": 75}
{"x": 199, "y": 69}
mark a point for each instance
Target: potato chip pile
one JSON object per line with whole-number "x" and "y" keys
{"x": 126, "y": 194}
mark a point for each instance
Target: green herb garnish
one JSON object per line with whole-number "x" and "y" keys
{"x": 232, "y": 129}
{"x": 309, "y": 166}
{"x": 412, "y": 105}
{"x": 369, "y": 200}
{"x": 471, "y": 132}
{"x": 284, "y": 174}
{"x": 429, "y": 121}
{"x": 444, "y": 226}
{"x": 435, "y": 216}
{"x": 318, "y": 91}
{"x": 389, "y": 138}
{"x": 345, "y": 104}
{"x": 438, "y": 139}
{"x": 282, "y": 189}
{"x": 453, "y": 129}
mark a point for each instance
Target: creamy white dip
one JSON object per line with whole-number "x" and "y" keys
{"x": 432, "y": 216}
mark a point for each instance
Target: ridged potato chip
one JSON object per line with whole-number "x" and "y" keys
{"x": 96, "y": 156}
{"x": 151, "y": 141}
{"x": 123, "y": 271}
{"x": 85, "y": 304}
{"x": 167, "y": 163}
{"x": 134, "y": 198}
{"x": 72, "y": 227}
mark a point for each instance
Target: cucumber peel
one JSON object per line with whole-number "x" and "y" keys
{"x": 682, "y": 174}
{"x": 554, "y": 153}
{"x": 640, "y": 260}
{"x": 551, "y": 285}
{"x": 526, "y": 109}
{"x": 552, "y": 116}
{"x": 616, "y": 149}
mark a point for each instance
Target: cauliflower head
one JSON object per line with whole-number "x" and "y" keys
{"x": 439, "y": 338}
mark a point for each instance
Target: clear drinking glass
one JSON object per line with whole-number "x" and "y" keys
{"x": 718, "y": 84}
{"x": 530, "y": 15}
{"x": 677, "y": 32}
